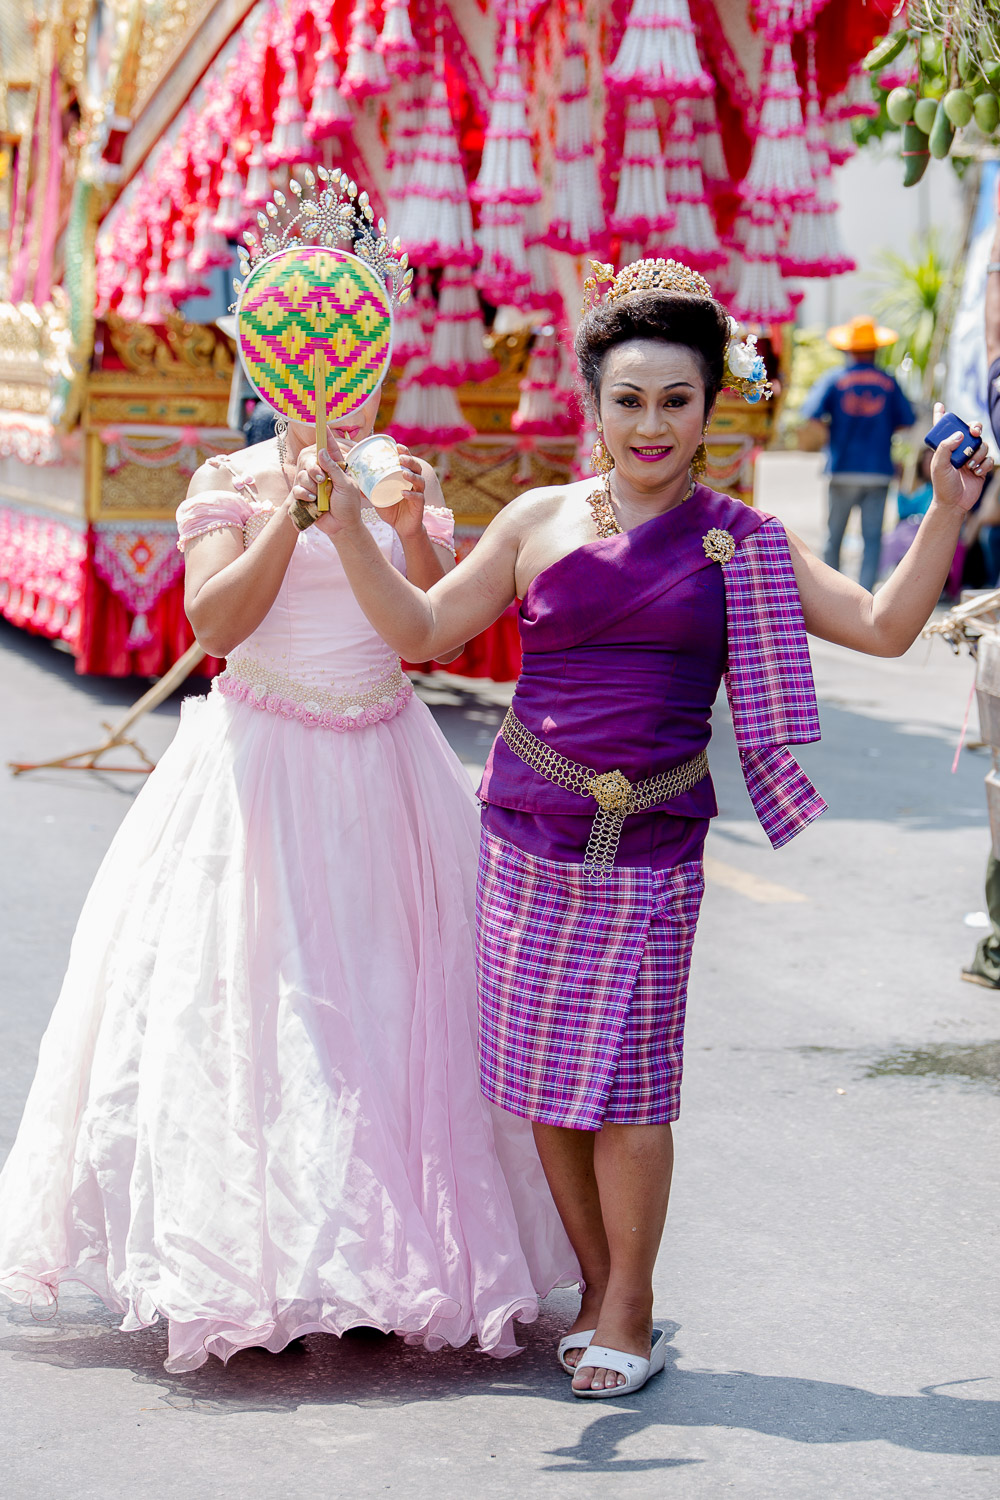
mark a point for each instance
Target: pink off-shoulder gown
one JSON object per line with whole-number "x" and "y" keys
{"x": 257, "y": 1111}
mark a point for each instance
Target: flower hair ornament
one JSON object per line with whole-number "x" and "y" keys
{"x": 745, "y": 374}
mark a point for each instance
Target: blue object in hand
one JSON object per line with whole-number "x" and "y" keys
{"x": 945, "y": 428}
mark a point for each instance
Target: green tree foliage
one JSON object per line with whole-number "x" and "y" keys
{"x": 913, "y": 293}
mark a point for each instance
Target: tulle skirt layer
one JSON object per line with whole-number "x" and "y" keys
{"x": 257, "y": 1111}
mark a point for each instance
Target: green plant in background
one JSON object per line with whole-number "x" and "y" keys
{"x": 913, "y": 294}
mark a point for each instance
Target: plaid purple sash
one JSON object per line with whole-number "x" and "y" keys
{"x": 770, "y": 681}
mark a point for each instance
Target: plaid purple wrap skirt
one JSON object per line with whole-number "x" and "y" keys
{"x": 582, "y": 987}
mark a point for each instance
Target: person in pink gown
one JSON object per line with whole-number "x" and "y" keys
{"x": 257, "y": 1110}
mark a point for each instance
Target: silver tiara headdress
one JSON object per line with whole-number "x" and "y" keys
{"x": 326, "y": 208}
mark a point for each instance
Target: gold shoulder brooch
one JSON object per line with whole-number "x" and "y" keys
{"x": 719, "y": 545}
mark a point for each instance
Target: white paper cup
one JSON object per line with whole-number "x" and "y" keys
{"x": 374, "y": 462}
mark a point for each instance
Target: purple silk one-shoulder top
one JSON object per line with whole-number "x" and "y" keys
{"x": 617, "y": 673}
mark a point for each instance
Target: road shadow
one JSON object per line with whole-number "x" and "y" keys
{"x": 108, "y": 693}
{"x": 385, "y": 1372}
{"x": 869, "y": 770}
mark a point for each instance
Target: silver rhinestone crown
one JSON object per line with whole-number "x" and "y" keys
{"x": 326, "y": 208}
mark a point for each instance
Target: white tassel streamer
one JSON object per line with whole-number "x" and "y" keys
{"x": 434, "y": 218}
{"x": 693, "y": 239}
{"x": 709, "y": 140}
{"x": 396, "y": 42}
{"x": 329, "y": 111}
{"x": 458, "y": 351}
{"x": 641, "y": 206}
{"x": 427, "y": 414}
{"x": 761, "y": 295}
{"x": 779, "y": 168}
{"x": 814, "y": 247}
{"x": 230, "y": 216}
{"x": 658, "y": 55}
{"x": 577, "y": 221}
{"x": 288, "y": 142}
{"x": 365, "y": 73}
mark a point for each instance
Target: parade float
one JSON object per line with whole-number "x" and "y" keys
{"x": 507, "y": 144}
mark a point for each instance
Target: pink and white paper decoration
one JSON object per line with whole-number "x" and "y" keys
{"x": 434, "y": 218}
{"x": 230, "y": 216}
{"x": 288, "y": 145}
{"x": 407, "y": 115}
{"x": 396, "y": 41}
{"x": 507, "y": 172}
{"x": 458, "y": 352}
{"x": 658, "y": 55}
{"x": 258, "y": 184}
{"x": 329, "y": 111}
{"x": 641, "y": 205}
{"x": 780, "y": 172}
{"x": 155, "y": 306}
{"x": 693, "y": 239}
{"x": 577, "y": 223}
{"x": 130, "y": 307}
{"x": 542, "y": 293}
{"x": 209, "y": 248}
{"x": 813, "y": 247}
{"x": 760, "y": 295}
{"x": 427, "y": 414}
{"x": 503, "y": 275}
{"x": 708, "y": 138}
{"x": 506, "y": 182}
{"x": 546, "y": 407}
{"x": 365, "y": 73}
{"x": 855, "y": 102}
{"x": 412, "y": 323}
{"x": 181, "y": 280}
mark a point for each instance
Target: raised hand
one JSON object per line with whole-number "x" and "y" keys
{"x": 959, "y": 488}
{"x": 407, "y": 516}
{"x": 346, "y": 498}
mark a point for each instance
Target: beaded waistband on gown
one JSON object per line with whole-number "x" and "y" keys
{"x": 262, "y": 684}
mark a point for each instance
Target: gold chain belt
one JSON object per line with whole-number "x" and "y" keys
{"x": 614, "y": 794}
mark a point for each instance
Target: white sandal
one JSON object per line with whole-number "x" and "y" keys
{"x": 635, "y": 1369}
{"x": 579, "y": 1340}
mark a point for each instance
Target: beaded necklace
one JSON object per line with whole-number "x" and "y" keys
{"x": 602, "y": 510}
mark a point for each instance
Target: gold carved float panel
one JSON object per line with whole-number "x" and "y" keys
{"x": 481, "y": 476}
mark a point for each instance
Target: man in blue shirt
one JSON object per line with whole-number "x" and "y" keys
{"x": 863, "y": 406}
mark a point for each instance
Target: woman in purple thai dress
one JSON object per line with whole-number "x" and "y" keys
{"x": 638, "y": 595}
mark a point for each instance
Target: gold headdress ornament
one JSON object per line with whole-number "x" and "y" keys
{"x": 744, "y": 367}
{"x": 327, "y": 209}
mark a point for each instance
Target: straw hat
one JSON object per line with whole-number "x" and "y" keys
{"x": 861, "y": 335}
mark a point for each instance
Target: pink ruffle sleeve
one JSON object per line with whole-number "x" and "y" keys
{"x": 439, "y": 524}
{"x": 211, "y": 512}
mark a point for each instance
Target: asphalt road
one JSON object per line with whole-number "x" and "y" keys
{"x": 828, "y": 1277}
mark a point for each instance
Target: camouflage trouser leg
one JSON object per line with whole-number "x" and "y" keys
{"x": 987, "y": 959}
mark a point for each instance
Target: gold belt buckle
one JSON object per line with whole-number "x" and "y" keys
{"x": 612, "y": 791}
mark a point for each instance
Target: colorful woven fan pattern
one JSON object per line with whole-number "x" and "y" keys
{"x": 309, "y": 298}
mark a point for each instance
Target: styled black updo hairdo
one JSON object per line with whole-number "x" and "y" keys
{"x": 697, "y": 323}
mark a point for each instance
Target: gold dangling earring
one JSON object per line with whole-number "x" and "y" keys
{"x": 600, "y": 458}
{"x": 699, "y": 464}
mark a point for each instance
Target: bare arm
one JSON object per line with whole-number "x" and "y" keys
{"x": 426, "y": 563}
{"x": 887, "y": 624}
{"x": 992, "y": 310}
{"x": 418, "y": 626}
{"x": 228, "y": 591}
{"x": 812, "y": 435}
